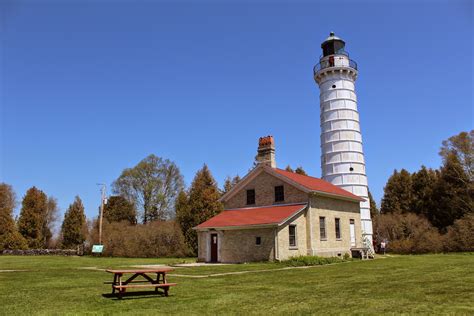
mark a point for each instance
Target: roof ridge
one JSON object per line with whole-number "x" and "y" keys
{"x": 303, "y": 175}
{"x": 303, "y": 181}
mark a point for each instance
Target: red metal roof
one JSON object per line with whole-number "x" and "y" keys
{"x": 315, "y": 184}
{"x": 274, "y": 214}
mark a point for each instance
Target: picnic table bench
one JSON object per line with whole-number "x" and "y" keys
{"x": 148, "y": 280}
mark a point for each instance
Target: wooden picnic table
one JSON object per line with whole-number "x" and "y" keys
{"x": 148, "y": 280}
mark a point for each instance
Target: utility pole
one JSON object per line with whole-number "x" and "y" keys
{"x": 103, "y": 201}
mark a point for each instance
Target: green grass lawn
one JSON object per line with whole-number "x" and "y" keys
{"x": 429, "y": 284}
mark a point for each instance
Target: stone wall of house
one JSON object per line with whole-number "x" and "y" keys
{"x": 202, "y": 240}
{"x": 264, "y": 186}
{"x": 331, "y": 209}
{"x": 240, "y": 245}
{"x": 284, "y": 249}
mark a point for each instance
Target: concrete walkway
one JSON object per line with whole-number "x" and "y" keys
{"x": 150, "y": 266}
{"x": 248, "y": 271}
{"x": 200, "y": 264}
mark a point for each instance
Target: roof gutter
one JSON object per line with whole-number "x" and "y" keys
{"x": 337, "y": 196}
{"x": 295, "y": 214}
{"x": 235, "y": 227}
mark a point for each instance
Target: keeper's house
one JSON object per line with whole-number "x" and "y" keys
{"x": 273, "y": 214}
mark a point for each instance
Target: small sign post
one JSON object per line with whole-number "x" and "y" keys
{"x": 97, "y": 249}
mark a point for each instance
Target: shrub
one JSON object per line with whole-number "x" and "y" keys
{"x": 407, "y": 233}
{"x": 312, "y": 260}
{"x": 12, "y": 240}
{"x": 154, "y": 239}
{"x": 460, "y": 236}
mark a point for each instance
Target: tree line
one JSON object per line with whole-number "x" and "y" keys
{"x": 431, "y": 210}
{"x": 34, "y": 227}
{"x": 150, "y": 213}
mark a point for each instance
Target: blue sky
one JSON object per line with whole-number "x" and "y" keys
{"x": 89, "y": 88}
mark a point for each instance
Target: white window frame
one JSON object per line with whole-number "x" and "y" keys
{"x": 337, "y": 228}
{"x": 295, "y": 246}
{"x": 325, "y": 228}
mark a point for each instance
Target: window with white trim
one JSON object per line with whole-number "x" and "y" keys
{"x": 322, "y": 227}
{"x": 292, "y": 235}
{"x": 338, "y": 228}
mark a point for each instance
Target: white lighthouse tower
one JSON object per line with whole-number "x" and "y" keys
{"x": 342, "y": 157}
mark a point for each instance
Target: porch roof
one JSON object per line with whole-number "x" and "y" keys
{"x": 253, "y": 216}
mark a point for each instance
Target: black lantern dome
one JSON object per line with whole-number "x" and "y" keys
{"x": 333, "y": 45}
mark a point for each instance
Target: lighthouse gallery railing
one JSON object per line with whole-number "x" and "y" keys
{"x": 328, "y": 64}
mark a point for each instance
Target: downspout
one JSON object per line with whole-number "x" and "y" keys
{"x": 311, "y": 231}
{"x": 276, "y": 252}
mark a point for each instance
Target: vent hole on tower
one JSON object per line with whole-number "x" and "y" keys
{"x": 351, "y": 169}
{"x": 333, "y": 86}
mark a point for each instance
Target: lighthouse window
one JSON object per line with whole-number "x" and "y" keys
{"x": 351, "y": 169}
{"x": 333, "y": 86}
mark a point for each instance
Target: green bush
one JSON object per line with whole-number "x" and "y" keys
{"x": 313, "y": 260}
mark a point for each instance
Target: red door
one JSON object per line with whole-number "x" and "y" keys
{"x": 213, "y": 247}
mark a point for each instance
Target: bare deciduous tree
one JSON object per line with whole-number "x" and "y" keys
{"x": 152, "y": 185}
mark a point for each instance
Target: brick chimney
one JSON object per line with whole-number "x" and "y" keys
{"x": 266, "y": 151}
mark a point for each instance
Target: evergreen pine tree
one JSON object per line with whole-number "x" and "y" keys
{"x": 120, "y": 209}
{"x": 73, "y": 229}
{"x": 203, "y": 203}
{"x": 289, "y": 169}
{"x": 423, "y": 184}
{"x": 374, "y": 211}
{"x": 298, "y": 170}
{"x": 235, "y": 180}
{"x": 31, "y": 223}
{"x": 183, "y": 215}
{"x": 397, "y": 193}
{"x": 301, "y": 171}
{"x": 10, "y": 238}
{"x": 453, "y": 195}
{"x": 229, "y": 183}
